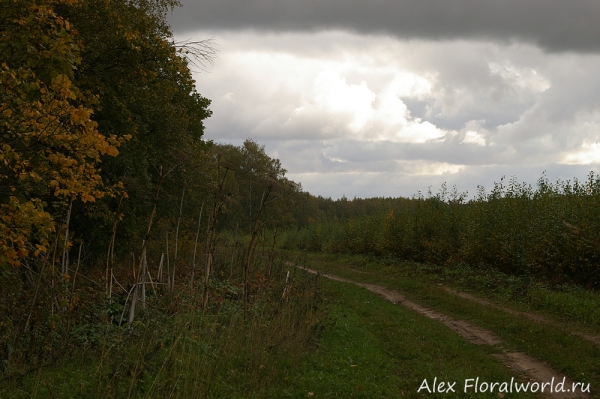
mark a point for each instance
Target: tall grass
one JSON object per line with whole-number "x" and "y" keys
{"x": 550, "y": 231}
{"x": 174, "y": 348}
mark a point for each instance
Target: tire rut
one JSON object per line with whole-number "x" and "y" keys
{"x": 530, "y": 316}
{"x": 526, "y": 366}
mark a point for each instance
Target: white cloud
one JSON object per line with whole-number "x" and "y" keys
{"x": 428, "y": 168}
{"x": 525, "y": 78}
{"x": 417, "y": 112}
{"x": 588, "y": 153}
{"x": 285, "y": 94}
{"x": 472, "y": 137}
{"x": 332, "y": 93}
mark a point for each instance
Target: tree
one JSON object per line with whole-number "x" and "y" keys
{"x": 50, "y": 147}
{"x": 146, "y": 91}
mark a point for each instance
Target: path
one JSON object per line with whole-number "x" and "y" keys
{"x": 530, "y": 316}
{"x": 530, "y": 368}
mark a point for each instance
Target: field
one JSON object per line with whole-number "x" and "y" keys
{"x": 333, "y": 339}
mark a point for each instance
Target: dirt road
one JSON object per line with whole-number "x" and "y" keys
{"x": 523, "y": 364}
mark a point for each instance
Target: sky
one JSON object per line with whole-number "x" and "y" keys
{"x": 379, "y": 98}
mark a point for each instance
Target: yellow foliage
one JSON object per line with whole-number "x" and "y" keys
{"x": 49, "y": 143}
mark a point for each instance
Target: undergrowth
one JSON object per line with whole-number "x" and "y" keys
{"x": 181, "y": 350}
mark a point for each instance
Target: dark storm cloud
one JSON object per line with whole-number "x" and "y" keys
{"x": 555, "y": 25}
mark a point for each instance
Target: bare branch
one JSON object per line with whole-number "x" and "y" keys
{"x": 199, "y": 54}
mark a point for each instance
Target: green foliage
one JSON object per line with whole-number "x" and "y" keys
{"x": 145, "y": 93}
{"x": 251, "y": 177}
{"x": 551, "y": 231}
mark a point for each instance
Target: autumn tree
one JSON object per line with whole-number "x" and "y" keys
{"x": 50, "y": 147}
{"x": 146, "y": 91}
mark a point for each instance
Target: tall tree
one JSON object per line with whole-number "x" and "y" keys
{"x": 50, "y": 147}
{"x": 146, "y": 92}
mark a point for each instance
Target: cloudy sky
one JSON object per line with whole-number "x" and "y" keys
{"x": 368, "y": 98}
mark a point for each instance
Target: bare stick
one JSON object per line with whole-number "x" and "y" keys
{"x": 210, "y": 236}
{"x": 252, "y": 244}
{"x": 196, "y": 246}
{"x": 285, "y": 289}
{"x": 112, "y": 276}
{"x": 125, "y": 305}
{"x": 111, "y": 248}
{"x": 73, "y": 287}
{"x": 151, "y": 282}
{"x": 233, "y": 251}
{"x": 134, "y": 291}
{"x": 207, "y": 264}
{"x": 133, "y": 304}
{"x": 119, "y": 284}
{"x": 159, "y": 275}
{"x": 177, "y": 235}
{"x": 65, "y": 257}
{"x": 37, "y": 286}
{"x": 76, "y": 270}
{"x": 145, "y": 242}
{"x": 133, "y": 268}
{"x": 143, "y": 280}
{"x": 168, "y": 266}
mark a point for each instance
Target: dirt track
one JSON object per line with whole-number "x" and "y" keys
{"x": 533, "y": 317}
{"x": 526, "y": 366}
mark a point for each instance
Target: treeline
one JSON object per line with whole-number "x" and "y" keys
{"x": 110, "y": 199}
{"x": 97, "y": 99}
{"x": 551, "y": 231}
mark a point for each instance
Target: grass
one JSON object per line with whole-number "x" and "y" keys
{"x": 187, "y": 354}
{"x": 568, "y": 303}
{"x": 329, "y": 340}
{"x": 371, "y": 348}
{"x": 552, "y": 343}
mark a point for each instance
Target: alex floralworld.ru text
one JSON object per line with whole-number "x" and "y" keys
{"x": 474, "y": 385}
